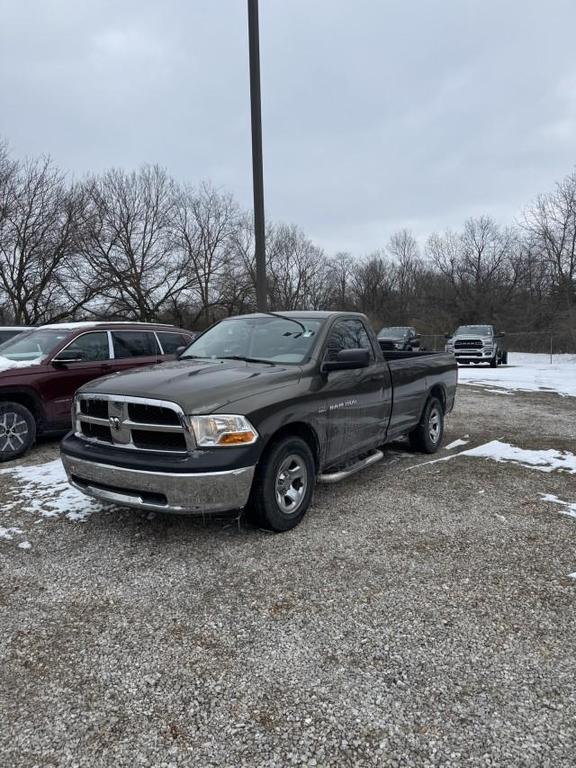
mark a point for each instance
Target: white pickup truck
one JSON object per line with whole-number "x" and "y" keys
{"x": 477, "y": 344}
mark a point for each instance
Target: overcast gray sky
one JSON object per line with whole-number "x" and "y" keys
{"x": 378, "y": 114}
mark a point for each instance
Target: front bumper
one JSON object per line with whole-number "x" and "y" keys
{"x": 473, "y": 355}
{"x": 161, "y": 491}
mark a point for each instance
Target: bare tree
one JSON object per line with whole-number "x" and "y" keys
{"x": 39, "y": 228}
{"x": 296, "y": 270}
{"x": 551, "y": 225}
{"x": 480, "y": 265}
{"x": 340, "y": 278}
{"x": 206, "y": 226}
{"x": 129, "y": 242}
{"x": 373, "y": 287}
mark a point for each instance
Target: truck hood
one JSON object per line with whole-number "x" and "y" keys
{"x": 471, "y": 337}
{"x": 197, "y": 386}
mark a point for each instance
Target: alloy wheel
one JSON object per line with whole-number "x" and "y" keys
{"x": 13, "y": 431}
{"x": 291, "y": 484}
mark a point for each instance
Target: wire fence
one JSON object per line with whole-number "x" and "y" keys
{"x": 550, "y": 343}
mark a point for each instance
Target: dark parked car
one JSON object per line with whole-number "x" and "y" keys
{"x": 399, "y": 337}
{"x": 41, "y": 369}
{"x": 9, "y": 331}
{"x": 253, "y": 413}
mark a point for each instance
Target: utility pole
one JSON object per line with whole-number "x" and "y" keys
{"x": 257, "y": 164}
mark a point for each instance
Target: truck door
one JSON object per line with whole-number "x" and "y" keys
{"x": 356, "y": 402}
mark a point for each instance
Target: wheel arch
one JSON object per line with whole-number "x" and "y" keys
{"x": 439, "y": 391}
{"x": 299, "y": 429}
{"x": 28, "y": 399}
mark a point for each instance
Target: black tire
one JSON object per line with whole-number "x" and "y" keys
{"x": 504, "y": 358}
{"x": 268, "y": 508}
{"x": 494, "y": 361}
{"x": 17, "y": 431}
{"x": 427, "y": 437}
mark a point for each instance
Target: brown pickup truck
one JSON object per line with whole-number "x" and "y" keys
{"x": 41, "y": 369}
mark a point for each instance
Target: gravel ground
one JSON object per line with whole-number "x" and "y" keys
{"x": 420, "y": 616}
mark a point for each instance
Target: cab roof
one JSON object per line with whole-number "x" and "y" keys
{"x": 310, "y": 314}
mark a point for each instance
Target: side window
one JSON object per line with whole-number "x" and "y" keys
{"x": 134, "y": 344}
{"x": 347, "y": 334}
{"x": 170, "y": 341}
{"x": 90, "y": 346}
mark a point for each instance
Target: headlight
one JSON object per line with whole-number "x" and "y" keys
{"x": 220, "y": 430}
{"x": 398, "y": 344}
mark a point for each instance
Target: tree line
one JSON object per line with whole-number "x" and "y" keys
{"x": 139, "y": 245}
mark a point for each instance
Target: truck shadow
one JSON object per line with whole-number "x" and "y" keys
{"x": 165, "y": 527}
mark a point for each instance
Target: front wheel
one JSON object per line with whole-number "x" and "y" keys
{"x": 427, "y": 436}
{"x": 284, "y": 485}
{"x": 494, "y": 361}
{"x": 17, "y": 430}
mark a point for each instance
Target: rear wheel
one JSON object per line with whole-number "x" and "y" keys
{"x": 427, "y": 436}
{"x": 284, "y": 485}
{"x": 17, "y": 430}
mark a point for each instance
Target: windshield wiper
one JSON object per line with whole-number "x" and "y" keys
{"x": 290, "y": 319}
{"x": 246, "y": 359}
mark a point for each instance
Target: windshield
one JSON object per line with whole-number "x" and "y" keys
{"x": 266, "y": 339}
{"x": 33, "y": 346}
{"x": 481, "y": 330}
{"x": 394, "y": 331}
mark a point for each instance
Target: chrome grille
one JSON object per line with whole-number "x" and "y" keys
{"x": 133, "y": 423}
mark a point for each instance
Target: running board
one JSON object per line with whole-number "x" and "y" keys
{"x": 335, "y": 477}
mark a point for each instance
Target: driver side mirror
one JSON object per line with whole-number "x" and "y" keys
{"x": 68, "y": 356}
{"x": 348, "y": 359}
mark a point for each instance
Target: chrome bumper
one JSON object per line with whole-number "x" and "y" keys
{"x": 161, "y": 491}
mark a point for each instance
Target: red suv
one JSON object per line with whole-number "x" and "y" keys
{"x": 40, "y": 371}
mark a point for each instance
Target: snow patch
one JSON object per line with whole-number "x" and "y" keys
{"x": 456, "y": 444}
{"x": 548, "y": 460}
{"x": 542, "y": 460}
{"x": 47, "y": 492}
{"x": 8, "y": 533}
{"x": 25, "y": 545}
{"x": 525, "y": 373}
{"x": 572, "y": 575}
{"x": 570, "y": 508}
{"x": 7, "y": 365}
